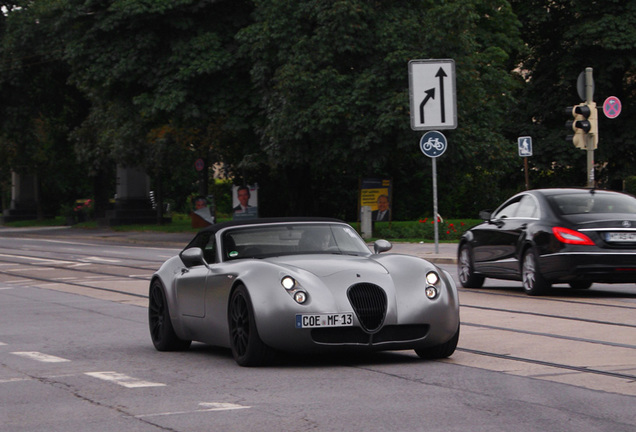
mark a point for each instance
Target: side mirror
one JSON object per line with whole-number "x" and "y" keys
{"x": 193, "y": 257}
{"x": 381, "y": 246}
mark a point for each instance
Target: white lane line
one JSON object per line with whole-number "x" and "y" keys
{"x": 99, "y": 259}
{"x": 47, "y": 260}
{"x": 34, "y": 355}
{"x": 123, "y": 380}
{"x": 205, "y": 407}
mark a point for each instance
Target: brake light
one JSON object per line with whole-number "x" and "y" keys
{"x": 568, "y": 236}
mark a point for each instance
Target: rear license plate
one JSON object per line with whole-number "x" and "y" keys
{"x": 324, "y": 320}
{"x": 621, "y": 237}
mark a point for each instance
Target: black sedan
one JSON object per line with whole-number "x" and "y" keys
{"x": 548, "y": 236}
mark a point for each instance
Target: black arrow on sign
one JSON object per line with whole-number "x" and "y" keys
{"x": 441, "y": 74}
{"x": 430, "y": 94}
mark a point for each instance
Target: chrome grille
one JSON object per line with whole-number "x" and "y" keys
{"x": 369, "y": 303}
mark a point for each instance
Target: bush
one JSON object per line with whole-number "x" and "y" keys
{"x": 423, "y": 229}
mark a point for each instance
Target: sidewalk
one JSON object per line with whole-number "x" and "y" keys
{"x": 446, "y": 253}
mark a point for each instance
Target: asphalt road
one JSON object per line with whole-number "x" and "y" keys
{"x": 75, "y": 355}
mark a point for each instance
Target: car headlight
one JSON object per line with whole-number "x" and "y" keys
{"x": 300, "y": 297}
{"x": 431, "y": 292}
{"x": 432, "y": 279}
{"x": 293, "y": 289}
{"x": 288, "y": 282}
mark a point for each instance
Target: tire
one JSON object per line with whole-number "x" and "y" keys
{"x": 533, "y": 282}
{"x": 580, "y": 285}
{"x": 466, "y": 269}
{"x": 247, "y": 347}
{"x": 161, "y": 331}
{"x": 439, "y": 351}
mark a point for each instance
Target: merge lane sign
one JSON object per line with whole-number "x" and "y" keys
{"x": 432, "y": 94}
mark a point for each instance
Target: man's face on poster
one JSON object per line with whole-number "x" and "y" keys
{"x": 383, "y": 203}
{"x": 243, "y": 196}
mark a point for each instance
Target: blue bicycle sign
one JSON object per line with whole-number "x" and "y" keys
{"x": 433, "y": 144}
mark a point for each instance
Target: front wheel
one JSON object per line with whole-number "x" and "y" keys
{"x": 466, "y": 270}
{"x": 439, "y": 351}
{"x": 533, "y": 282}
{"x": 247, "y": 347}
{"x": 161, "y": 331}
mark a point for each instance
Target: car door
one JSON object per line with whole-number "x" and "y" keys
{"x": 497, "y": 242}
{"x": 191, "y": 282}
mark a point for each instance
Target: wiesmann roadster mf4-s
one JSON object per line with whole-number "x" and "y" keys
{"x": 266, "y": 286}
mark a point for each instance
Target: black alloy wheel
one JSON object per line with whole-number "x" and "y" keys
{"x": 466, "y": 269}
{"x": 247, "y": 347}
{"x": 161, "y": 331}
{"x": 533, "y": 282}
{"x": 439, "y": 351}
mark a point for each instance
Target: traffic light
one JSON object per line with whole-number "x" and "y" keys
{"x": 584, "y": 125}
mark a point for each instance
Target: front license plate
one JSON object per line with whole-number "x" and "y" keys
{"x": 324, "y": 320}
{"x": 621, "y": 237}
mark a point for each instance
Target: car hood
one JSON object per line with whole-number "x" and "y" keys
{"x": 326, "y": 265}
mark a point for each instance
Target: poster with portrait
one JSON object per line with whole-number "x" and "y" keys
{"x": 244, "y": 202}
{"x": 203, "y": 211}
{"x": 377, "y": 194}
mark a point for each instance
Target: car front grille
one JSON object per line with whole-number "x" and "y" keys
{"x": 369, "y": 303}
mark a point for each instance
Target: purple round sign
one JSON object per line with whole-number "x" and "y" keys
{"x": 612, "y": 107}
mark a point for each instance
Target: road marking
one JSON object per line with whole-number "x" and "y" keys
{"x": 123, "y": 380}
{"x": 34, "y": 355}
{"x": 99, "y": 259}
{"x": 205, "y": 407}
{"x": 47, "y": 260}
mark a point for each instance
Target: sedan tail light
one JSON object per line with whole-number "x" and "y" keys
{"x": 569, "y": 236}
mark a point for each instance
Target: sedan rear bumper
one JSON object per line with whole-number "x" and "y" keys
{"x": 606, "y": 267}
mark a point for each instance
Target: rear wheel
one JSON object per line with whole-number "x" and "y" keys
{"x": 161, "y": 331}
{"x": 533, "y": 282}
{"x": 439, "y": 351}
{"x": 466, "y": 270}
{"x": 247, "y": 347}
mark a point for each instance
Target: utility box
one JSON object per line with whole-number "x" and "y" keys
{"x": 367, "y": 226}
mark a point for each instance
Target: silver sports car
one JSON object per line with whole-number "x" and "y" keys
{"x": 264, "y": 286}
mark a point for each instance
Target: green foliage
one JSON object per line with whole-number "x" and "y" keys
{"x": 423, "y": 229}
{"x": 305, "y": 97}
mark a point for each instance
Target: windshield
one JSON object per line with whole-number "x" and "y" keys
{"x": 291, "y": 239}
{"x": 569, "y": 204}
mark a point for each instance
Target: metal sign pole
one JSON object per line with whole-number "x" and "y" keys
{"x": 435, "y": 205}
{"x": 589, "y": 97}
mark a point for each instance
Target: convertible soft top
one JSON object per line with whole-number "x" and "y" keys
{"x": 217, "y": 227}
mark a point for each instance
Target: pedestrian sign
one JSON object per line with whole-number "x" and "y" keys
{"x": 525, "y": 146}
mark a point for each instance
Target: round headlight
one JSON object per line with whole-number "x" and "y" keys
{"x": 300, "y": 297}
{"x": 431, "y": 292}
{"x": 432, "y": 278}
{"x": 288, "y": 282}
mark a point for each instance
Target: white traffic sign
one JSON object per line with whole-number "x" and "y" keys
{"x": 525, "y": 146}
{"x": 432, "y": 94}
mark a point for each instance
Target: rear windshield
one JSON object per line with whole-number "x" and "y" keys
{"x": 291, "y": 239}
{"x": 596, "y": 202}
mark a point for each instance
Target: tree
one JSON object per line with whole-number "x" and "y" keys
{"x": 38, "y": 108}
{"x": 334, "y": 89}
{"x": 564, "y": 37}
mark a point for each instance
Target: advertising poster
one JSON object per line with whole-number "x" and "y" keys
{"x": 376, "y": 193}
{"x": 244, "y": 202}
{"x": 203, "y": 211}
